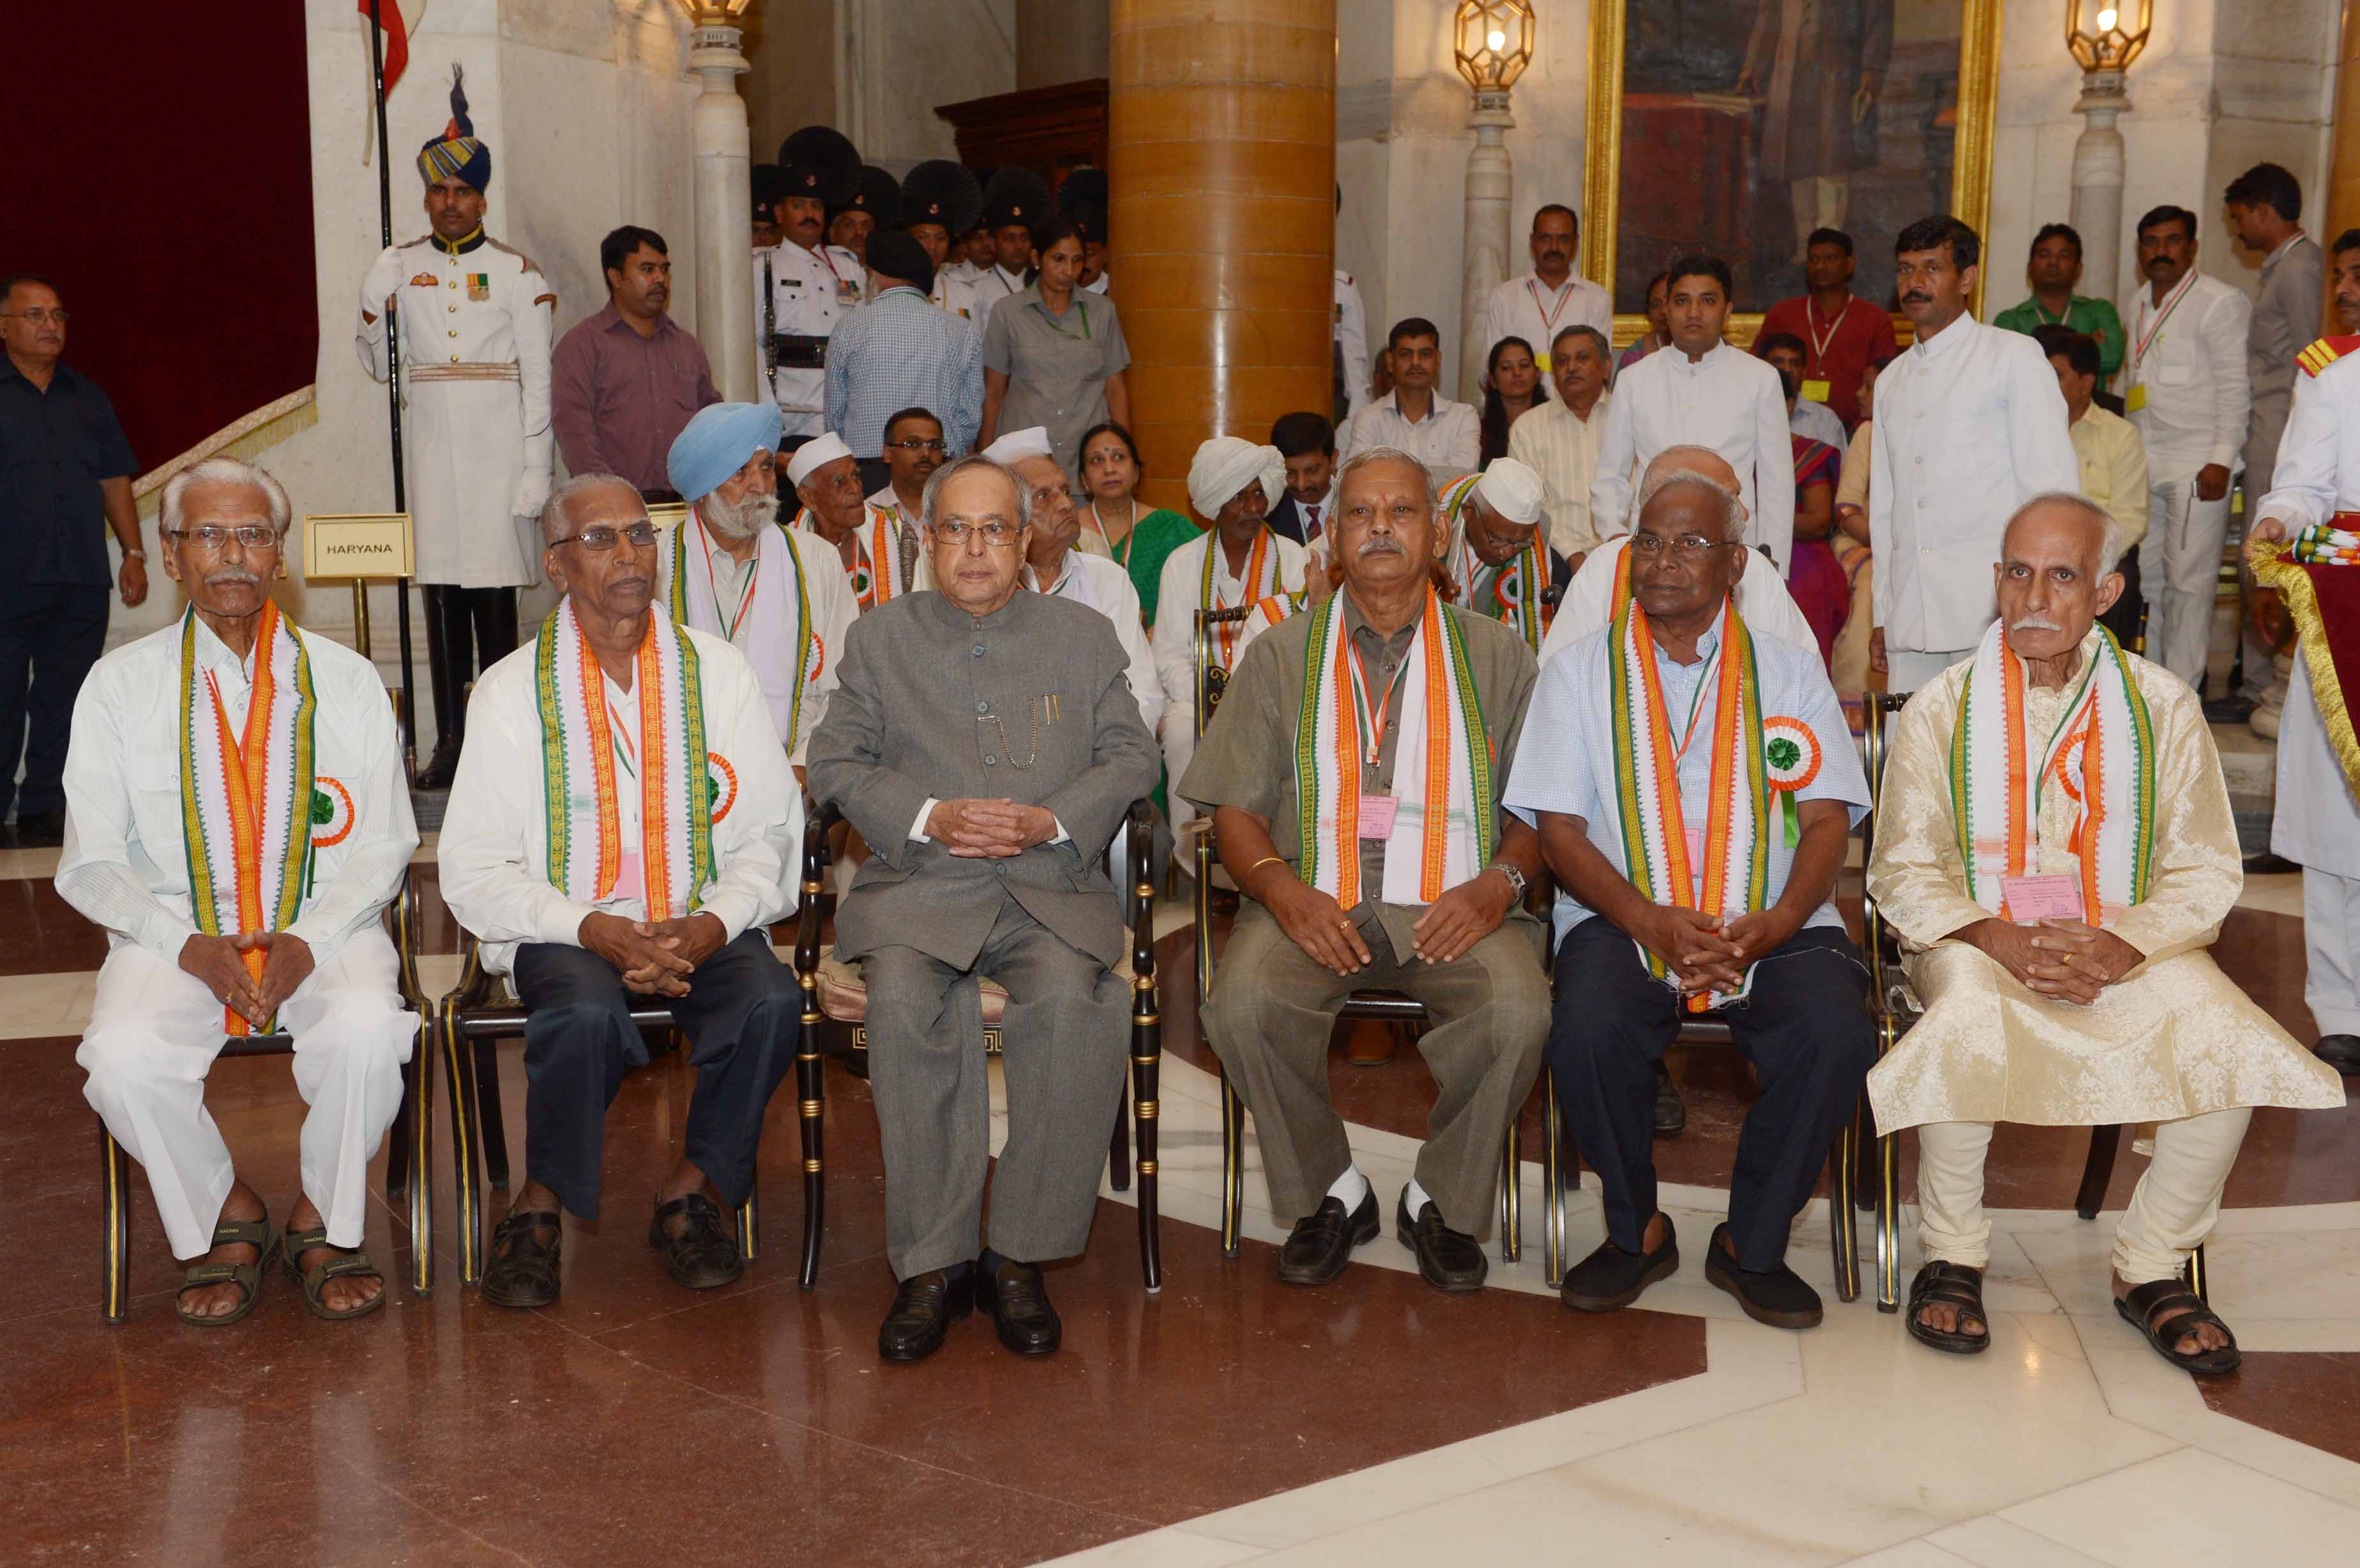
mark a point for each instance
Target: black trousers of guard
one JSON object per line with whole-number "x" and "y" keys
{"x": 743, "y": 1016}
{"x": 1805, "y": 1028}
{"x": 468, "y": 631}
{"x": 50, "y": 634}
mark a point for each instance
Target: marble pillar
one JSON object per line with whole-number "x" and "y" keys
{"x": 725, "y": 233}
{"x": 1491, "y": 187}
{"x": 1222, "y": 143}
{"x": 2098, "y": 170}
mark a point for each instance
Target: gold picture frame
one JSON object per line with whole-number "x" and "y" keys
{"x": 1976, "y": 109}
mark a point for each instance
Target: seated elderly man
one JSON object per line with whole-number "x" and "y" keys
{"x": 729, "y": 568}
{"x": 1499, "y": 566}
{"x": 1236, "y": 561}
{"x": 1696, "y": 844}
{"x": 985, "y": 742}
{"x": 1354, "y": 774}
{"x": 1014, "y": 450}
{"x": 624, "y": 824}
{"x": 879, "y": 547}
{"x": 2055, "y": 849}
{"x": 231, "y": 730}
{"x": 1054, "y": 566}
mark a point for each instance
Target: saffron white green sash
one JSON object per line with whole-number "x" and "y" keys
{"x": 2102, "y": 753}
{"x": 676, "y": 778}
{"x": 1442, "y": 827}
{"x": 700, "y": 607}
{"x": 1515, "y": 594}
{"x": 246, "y": 799}
{"x": 1261, "y": 582}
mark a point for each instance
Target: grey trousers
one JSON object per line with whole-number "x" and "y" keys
{"x": 1063, "y": 1039}
{"x": 1273, "y": 1008}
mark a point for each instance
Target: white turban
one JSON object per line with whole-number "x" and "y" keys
{"x": 813, "y": 453}
{"x": 1513, "y": 490}
{"x": 1016, "y": 444}
{"x": 1225, "y": 465}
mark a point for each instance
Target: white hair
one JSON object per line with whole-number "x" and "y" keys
{"x": 968, "y": 465}
{"x": 552, "y": 511}
{"x": 171, "y": 510}
{"x": 1369, "y": 454}
{"x": 2110, "y": 529}
{"x": 1733, "y": 510}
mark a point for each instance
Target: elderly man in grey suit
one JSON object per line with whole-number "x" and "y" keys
{"x": 986, "y": 743}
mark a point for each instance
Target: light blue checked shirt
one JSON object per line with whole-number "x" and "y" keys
{"x": 1567, "y": 761}
{"x": 899, "y": 351}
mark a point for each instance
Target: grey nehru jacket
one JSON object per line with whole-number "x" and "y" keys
{"x": 1029, "y": 703}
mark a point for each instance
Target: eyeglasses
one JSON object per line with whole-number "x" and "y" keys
{"x": 641, "y": 534}
{"x": 212, "y": 540}
{"x": 1688, "y": 546}
{"x": 914, "y": 444}
{"x": 995, "y": 533}
{"x": 38, "y": 316}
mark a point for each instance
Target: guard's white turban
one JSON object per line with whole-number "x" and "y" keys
{"x": 1226, "y": 465}
{"x": 1015, "y": 444}
{"x": 813, "y": 454}
{"x": 1513, "y": 490}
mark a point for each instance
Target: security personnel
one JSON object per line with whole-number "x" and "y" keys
{"x": 767, "y": 186}
{"x": 1014, "y": 200}
{"x": 874, "y": 205}
{"x": 477, "y": 320}
{"x": 940, "y": 200}
{"x": 803, "y": 286}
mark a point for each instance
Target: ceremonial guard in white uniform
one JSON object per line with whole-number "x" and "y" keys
{"x": 1351, "y": 345}
{"x": 1014, "y": 200}
{"x": 803, "y": 287}
{"x": 941, "y": 201}
{"x": 476, "y": 322}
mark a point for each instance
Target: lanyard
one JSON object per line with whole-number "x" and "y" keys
{"x": 1696, "y": 708}
{"x": 1078, "y": 304}
{"x": 2170, "y": 303}
{"x": 2040, "y": 312}
{"x": 745, "y": 593}
{"x": 1373, "y": 722}
{"x": 1213, "y": 598}
{"x": 624, "y": 753}
{"x": 1548, "y": 317}
{"x": 1820, "y": 345}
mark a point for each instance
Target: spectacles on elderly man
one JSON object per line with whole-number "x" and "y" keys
{"x": 642, "y": 535}
{"x": 995, "y": 533}
{"x": 1688, "y": 546}
{"x": 212, "y": 540}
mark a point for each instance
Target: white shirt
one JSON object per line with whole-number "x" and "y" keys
{"x": 992, "y": 285}
{"x": 1819, "y": 422}
{"x": 954, "y": 291}
{"x": 811, "y": 291}
{"x": 1970, "y": 425}
{"x": 1097, "y": 582}
{"x": 1352, "y": 337}
{"x": 889, "y": 502}
{"x": 494, "y": 852}
{"x": 1588, "y": 604}
{"x": 2191, "y": 376}
{"x": 126, "y": 862}
{"x": 1562, "y": 448}
{"x": 1179, "y": 596}
{"x": 766, "y": 632}
{"x": 1448, "y": 440}
{"x": 1529, "y": 309}
{"x": 1729, "y": 401}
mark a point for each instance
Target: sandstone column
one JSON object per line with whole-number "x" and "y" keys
{"x": 1223, "y": 142}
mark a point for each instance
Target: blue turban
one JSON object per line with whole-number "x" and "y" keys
{"x": 457, "y": 151}
{"x": 717, "y": 443}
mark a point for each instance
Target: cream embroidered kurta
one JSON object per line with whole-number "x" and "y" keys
{"x": 2174, "y": 1038}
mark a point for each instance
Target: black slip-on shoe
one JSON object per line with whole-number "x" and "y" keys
{"x": 1018, "y": 1304}
{"x": 1773, "y": 1296}
{"x": 924, "y": 1306}
{"x": 1321, "y": 1242}
{"x": 1610, "y": 1278}
{"x": 1451, "y": 1259}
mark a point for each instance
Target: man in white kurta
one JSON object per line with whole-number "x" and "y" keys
{"x": 777, "y": 595}
{"x": 2062, "y": 958}
{"x": 876, "y": 549}
{"x": 1415, "y": 417}
{"x": 1550, "y": 297}
{"x": 231, "y": 668}
{"x": 1705, "y": 393}
{"x": 637, "y": 841}
{"x": 2317, "y": 824}
{"x": 1970, "y": 425}
{"x": 1238, "y": 562}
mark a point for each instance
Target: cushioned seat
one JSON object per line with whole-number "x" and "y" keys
{"x": 843, "y": 995}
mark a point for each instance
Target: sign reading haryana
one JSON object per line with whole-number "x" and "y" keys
{"x": 372, "y": 544}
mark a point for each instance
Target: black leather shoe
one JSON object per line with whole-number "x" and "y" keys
{"x": 2341, "y": 1052}
{"x": 1018, "y": 1304}
{"x": 1322, "y": 1241}
{"x": 1773, "y": 1296}
{"x": 1610, "y": 1278}
{"x": 701, "y": 1254}
{"x": 440, "y": 768}
{"x": 40, "y": 830}
{"x": 1451, "y": 1259}
{"x": 924, "y": 1306}
{"x": 523, "y": 1268}
{"x": 1671, "y": 1111}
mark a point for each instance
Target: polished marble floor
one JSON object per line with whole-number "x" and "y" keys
{"x": 1224, "y": 1420}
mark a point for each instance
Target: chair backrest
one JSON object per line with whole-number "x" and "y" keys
{"x": 1212, "y": 676}
{"x": 1877, "y": 710}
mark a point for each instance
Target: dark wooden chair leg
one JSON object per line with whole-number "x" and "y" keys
{"x": 466, "y": 1168}
{"x": 413, "y": 1141}
{"x": 1119, "y": 1142}
{"x": 487, "y": 1113}
{"x": 1146, "y": 1062}
{"x": 1512, "y": 1190}
{"x": 1843, "y": 1216}
{"x": 1553, "y": 1151}
{"x": 1233, "y": 1165}
{"x": 750, "y": 1234}
{"x": 2103, "y": 1143}
{"x": 810, "y": 1108}
{"x": 115, "y": 1238}
{"x": 1864, "y": 1178}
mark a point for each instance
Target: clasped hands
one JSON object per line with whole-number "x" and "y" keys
{"x": 1452, "y": 925}
{"x": 2067, "y": 960}
{"x": 990, "y": 829}
{"x": 655, "y": 958}
{"x": 1707, "y": 954}
{"x": 219, "y": 963}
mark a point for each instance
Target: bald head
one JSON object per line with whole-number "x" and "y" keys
{"x": 2055, "y": 577}
{"x": 2096, "y": 539}
{"x": 1701, "y": 460}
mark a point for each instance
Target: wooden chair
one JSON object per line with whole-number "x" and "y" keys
{"x": 1896, "y": 1008}
{"x": 409, "y": 1169}
{"x": 835, "y": 1012}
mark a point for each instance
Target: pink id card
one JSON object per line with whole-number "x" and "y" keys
{"x": 2031, "y": 899}
{"x": 1377, "y": 815}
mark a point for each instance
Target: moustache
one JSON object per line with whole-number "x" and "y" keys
{"x": 1917, "y": 297}
{"x": 1381, "y": 544}
{"x": 237, "y": 575}
{"x": 2034, "y": 623}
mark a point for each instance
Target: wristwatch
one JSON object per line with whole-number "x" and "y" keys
{"x": 1515, "y": 879}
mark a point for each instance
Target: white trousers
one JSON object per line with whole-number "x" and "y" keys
{"x": 1911, "y": 669}
{"x": 154, "y": 1032}
{"x": 2331, "y": 936}
{"x": 2171, "y": 1212}
{"x": 2180, "y": 572}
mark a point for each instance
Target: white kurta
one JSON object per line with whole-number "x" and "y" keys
{"x": 810, "y": 292}
{"x": 1729, "y": 401}
{"x": 1179, "y": 595}
{"x": 1528, "y": 309}
{"x": 766, "y": 633}
{"x": 1588, "y": 604}
{"x": 1097, "y": 582}
{"x": 1970, "y": 425}
{"x": 155, "y": 1029}
{"x": 493, "y": 851}
{"x": 1448, "y": 440}
{"x": 476, "y": 442}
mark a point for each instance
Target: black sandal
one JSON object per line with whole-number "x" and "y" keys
{"x": 525, "y": 1274}
{"x": 2183, "y": 1311}
{"x": 700, "y": 1255}
{"x": 1949, "y": 1285}
{"x": 247, "y": 1277}
{"x": 348, "y": 1261}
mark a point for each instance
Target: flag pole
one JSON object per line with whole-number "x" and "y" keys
{"x": 393, "y": 382}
